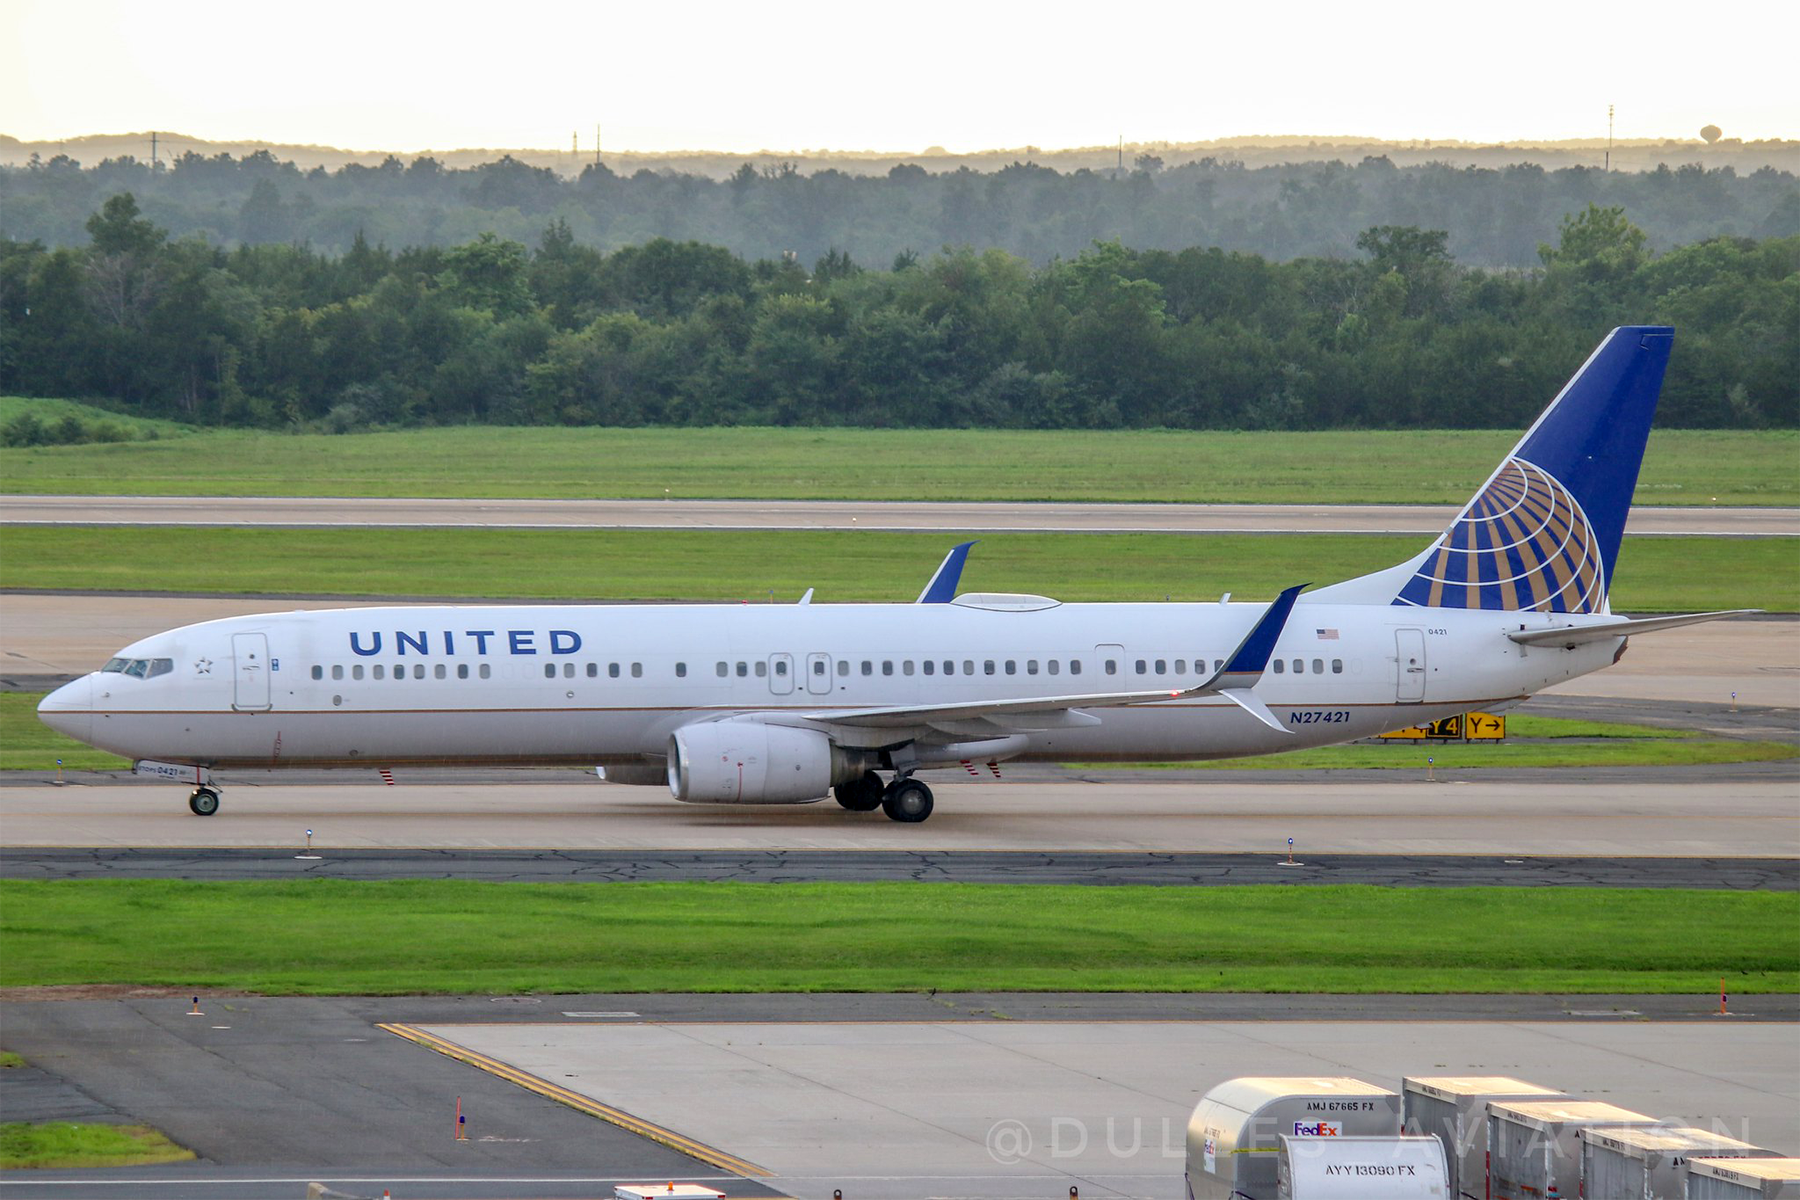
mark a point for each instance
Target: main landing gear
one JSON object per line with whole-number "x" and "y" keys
{"x": 205, "y": 800}
{"x": 906, "y": 800}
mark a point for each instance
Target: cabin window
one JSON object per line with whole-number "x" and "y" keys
{"x": 1277, "y": 664}
{"x": 843, "y": 667}
{"x": 818, "y": 666}
{"x": 1337, "y": 666}
{"x": 400, "y": 674}
{"x": 906, "y": 668}
{"x": 987, "y": 666}
{"x": 1181, "y": 666}
{"x": 612, "y": 671}
{"x": 781, "y": 666}
{"x": 1053, "y": 666}
{"x": 762, "y": 669}
{"x": 318, "y": 672}
{"x": 1162, "y": 666}
{"x": 439, "y": 671}
{"x": 1112, "y": 666}
{"x": 1318, "y": 666}
{"x": 743, "y": 670}
{"x": 1012, "y": 668}
{"x": 949, "y": 666}
{"x": 549, "y": 670}
{"x": 1218, "y": 664}
{"x": 637, "y": 670}
{"x": 681, "y": 670}
{"x": 1143, "y": 667}
{"x": 1075, "y": 666}
{"x": 487, "y": 670}
{"x": 968, "y": 666}
{"x": 356, "y": 671}
{"x": 337, "y": 672}
{"x": 887, "y": 666}
{"x": 1299, "y": 666}
{"x": 593, "y": 672}
{"x": 1031, "y": 666}
{"x": 462, "y": 670}
{"x": 930, "y": 666}
{"x": 723, "y": 670}
{"x": 868, "y": 668}
{"x": 376, "y": 672}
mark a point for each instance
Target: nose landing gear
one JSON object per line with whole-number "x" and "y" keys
{"x": 205, "y": 801}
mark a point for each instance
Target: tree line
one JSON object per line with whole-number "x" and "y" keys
{"x": 667, "y": 332}
{"x": 1493, "y": 216}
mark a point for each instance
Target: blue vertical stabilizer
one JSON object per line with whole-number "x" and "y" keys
{"x": 1543, "y": 534}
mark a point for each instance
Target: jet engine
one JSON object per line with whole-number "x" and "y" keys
{"x": 747, "y": 762}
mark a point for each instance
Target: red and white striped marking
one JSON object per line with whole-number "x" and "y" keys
{"x": 970, "y": 767}
{"x": 387, "y": 777}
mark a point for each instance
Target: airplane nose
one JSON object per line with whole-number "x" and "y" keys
{"x": 70, "y": 709}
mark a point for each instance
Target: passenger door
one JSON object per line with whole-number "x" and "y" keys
{"x": 818, "y": 674}
{"x": 1109, "y": 653}
{"x": 250, "y": 672}
{"x": 1409, "y": 660}
{"x": 781, "y": 673}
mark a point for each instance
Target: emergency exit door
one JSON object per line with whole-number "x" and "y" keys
{"x": 250, "y": 672}
{"x": 1410, "y": 661}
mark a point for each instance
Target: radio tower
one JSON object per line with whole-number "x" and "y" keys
{"x": 1609, "y": 131}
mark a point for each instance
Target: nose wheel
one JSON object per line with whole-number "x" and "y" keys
{"x": 907, "y": 801}
{"x": 204, "y": 802}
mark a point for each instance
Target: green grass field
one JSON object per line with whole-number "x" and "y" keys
{"x": 1685, "y": 467}
{"x": 27, "y": 744}
{"x": 63, "y": 1144}
{"x": 321, "y": 936}
{"x": 1663, "y": 574}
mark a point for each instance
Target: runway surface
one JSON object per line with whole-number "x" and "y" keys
{"x": 1157, "y": 869}
{"x": 47, "y": 638}
{"x": 1690, "y": 814}
{"x": 961, "y": 517}
{"x": 884, "y": 1096}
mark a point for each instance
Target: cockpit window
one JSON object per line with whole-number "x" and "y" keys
{"x": 139, "y": 668}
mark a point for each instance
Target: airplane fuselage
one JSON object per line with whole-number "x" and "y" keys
{"x": 603, "y": 684}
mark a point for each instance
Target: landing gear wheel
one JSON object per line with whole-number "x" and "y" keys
{"x": 907, "y": 801}
{"x": 860, "y": 795}
{"x": 204, "y": 802}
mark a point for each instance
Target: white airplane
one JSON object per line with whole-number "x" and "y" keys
{"x": 736, "y": 704}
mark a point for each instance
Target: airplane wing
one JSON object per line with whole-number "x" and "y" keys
{"x": 1570, "y": 636}
{"x": 1233, "y": 682}
{"x": 942, "y": 587}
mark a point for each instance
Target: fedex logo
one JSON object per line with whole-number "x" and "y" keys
{"x": 1318, "y": 1129}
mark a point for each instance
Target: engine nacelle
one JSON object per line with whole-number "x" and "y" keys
{"x": 746, "y": 762}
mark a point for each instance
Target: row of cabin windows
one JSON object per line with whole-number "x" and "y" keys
{"x": 1318, "y": 666}
{"x": 481, "y": 671}
{"x": 929, "y": 666}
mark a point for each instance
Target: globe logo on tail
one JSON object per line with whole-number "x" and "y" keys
{"x": 1523, "y": 544}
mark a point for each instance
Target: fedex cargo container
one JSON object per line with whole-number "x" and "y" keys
{"x": 1650, "y": 1164}
{"x": 1743, "y": 1178}
{"x": 1234, "y": 1135}
{"x": 1361, "y": 1168}
{"x": 1534, "y": 1148}
{"x": 1453, "y": 1109}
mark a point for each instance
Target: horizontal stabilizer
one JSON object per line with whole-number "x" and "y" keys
{"x": 1570, "y": 636}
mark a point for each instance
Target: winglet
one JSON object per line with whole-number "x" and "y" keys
{"x": 1247, "y": 663}
{"x": 942, "y": 588}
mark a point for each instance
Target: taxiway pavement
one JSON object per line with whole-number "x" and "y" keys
{"x": 1690, "y": 813}
{"x": 958, "y": 517}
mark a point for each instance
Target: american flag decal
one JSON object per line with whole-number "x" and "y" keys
{"x": 1328, "y": 635}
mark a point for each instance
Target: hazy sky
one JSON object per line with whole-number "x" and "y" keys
{"x": 789, "y": 74}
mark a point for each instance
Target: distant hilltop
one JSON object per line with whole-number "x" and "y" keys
{"x": 1638, "y": 155}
